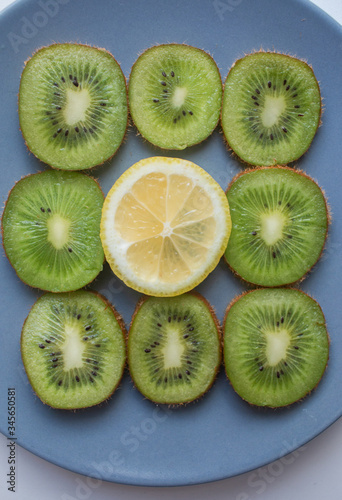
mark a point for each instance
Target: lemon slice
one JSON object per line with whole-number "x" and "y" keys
{"x": 165, "y": 224}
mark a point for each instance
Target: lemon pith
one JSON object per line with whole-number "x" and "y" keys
{"x": 165, "y": 224}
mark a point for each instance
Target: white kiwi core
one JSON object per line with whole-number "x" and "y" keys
{"x": 276, "y": 346}
{"x": 273, "y": 108}
{"x": 178, "y": 97}
{"x": 58, "y": 231}
{"x": 173, "y": 350}
{"x": 77, "y": 103}
{"x": 72, "y": 348}
{"x": 272, "y": 227}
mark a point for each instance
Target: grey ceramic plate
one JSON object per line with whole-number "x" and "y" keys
{"x": 129, "y": 439}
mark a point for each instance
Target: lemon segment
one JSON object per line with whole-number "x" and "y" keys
{"x": 165, "y": 225}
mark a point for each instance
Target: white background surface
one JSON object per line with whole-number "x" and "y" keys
{"x": 313, "y": 472}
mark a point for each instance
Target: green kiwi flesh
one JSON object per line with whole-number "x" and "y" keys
{"x": 73, "y": 105}
{"x": 174, "y": 349}
{"x": 175, "y": 94}
{"x": 73, "y": 349}
{"x": 279, "y": 225}
{"x": 51, "y": 230}
{"x": 271, "y": 108}
{"x": 276, "y": 346}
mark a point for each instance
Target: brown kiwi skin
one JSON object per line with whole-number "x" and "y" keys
{"x": 122, "y": 325}
{"x": 328, "y": 212}
{"x": 167, "y": 45}
{"x": 219, "y": 330}
{"x": 297, "y": 401}
{"x": 229, "y": 149}
{"x": 2, "y": 229}
{"x": 126, "y": 86}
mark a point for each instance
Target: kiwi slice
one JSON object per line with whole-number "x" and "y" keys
{"x": 51, "y": 230}
{"x": 73, "y": 349}
{"x": 271, "y": 108}
{"x": 175, "y": 94}
{"x": 276, "y": 345}
{"x": 279, "y": 225}
{"x": 73, "y": 105}
{"x": 174, "y": 349}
